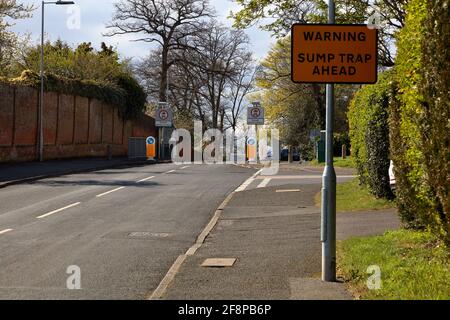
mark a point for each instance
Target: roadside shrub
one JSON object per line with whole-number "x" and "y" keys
{"x": 369, "y": 134}
{"x": 126, "y": 93}
{"x": 420, "y": 117}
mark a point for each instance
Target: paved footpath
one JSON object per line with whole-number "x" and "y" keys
{"x": 272, "y": 227}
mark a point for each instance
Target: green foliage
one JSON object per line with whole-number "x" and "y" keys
{"x": 127, "y": 95}
{"x": 369, "y": 134}
{"x": 419, "y": 117}
{"x": 83, "y": 71}
{"x": 82, "y": 62}
{"x": 414, "y": 265}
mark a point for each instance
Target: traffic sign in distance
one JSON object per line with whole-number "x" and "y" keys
{"x": 255, "y": 115}
{"x": 334, "y": 53}
{"x": 163, "y": 116}
{"x": 151, "y": 147}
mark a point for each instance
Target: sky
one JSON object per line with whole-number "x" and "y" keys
{"x": 95, "y": 14}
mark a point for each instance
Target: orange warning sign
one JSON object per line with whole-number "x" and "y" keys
{"x": 334, "y": 53}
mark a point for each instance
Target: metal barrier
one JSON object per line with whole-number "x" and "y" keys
{"x": 137, "y": 148}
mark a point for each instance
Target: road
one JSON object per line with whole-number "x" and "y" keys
{"x": 123, "y": 228}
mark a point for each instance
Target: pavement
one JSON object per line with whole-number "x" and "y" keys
{"x": 14, "y": 173}
{"x": 272, "y": 228}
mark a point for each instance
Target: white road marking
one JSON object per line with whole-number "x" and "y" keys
{"x": 169, "y": 171}
{"x": 108, "y": 192}
{"x": 146, "y": 179}
{"x": 5, "y": 231}
{"x": 247, "y": 182}
{"x": 300, "y": 177}
{"x": 293, "y": 190}
{"x": 59, "y": 210}
{"x": 185, "y": 167}
{"x": 264, "y": 183}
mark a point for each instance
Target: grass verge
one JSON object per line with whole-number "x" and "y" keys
{"x": 350, "y": 196}
{"x": 414, "y": 266}
{"x": 338, "y": 162}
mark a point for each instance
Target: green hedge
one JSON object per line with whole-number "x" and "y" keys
{"x": 369, "y": 134}
{"x": 420, "y": 116}
{"x": 126, "y": 93}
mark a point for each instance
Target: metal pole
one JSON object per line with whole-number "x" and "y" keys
{"x": 41, "y": 98}
{"x": 257, "y": 144}
{"x": 328, "y": 236}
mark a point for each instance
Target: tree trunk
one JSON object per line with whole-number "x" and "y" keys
{"x": 164, "y": 71}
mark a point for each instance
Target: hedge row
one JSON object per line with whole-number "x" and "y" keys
{"x": 369, "y": 134}
{"x": 406, "y": 117}
{"x": 125, "y": 93}
{"x": 420, "y": 125}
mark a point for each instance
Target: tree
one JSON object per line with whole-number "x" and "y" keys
{"x": 295, "y": 109}
{"x": 165, "y": 22}
{"x": 241, "y": 86}
{"x": 283, "y": 13}
{"x": 82, "y": 62}
{"x": 209, "y": 77}
{"x": 220, "y": 56}
{"x": 12, "y": 10}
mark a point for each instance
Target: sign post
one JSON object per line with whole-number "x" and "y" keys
{"x": 328, "y": 213}
{"x": 255, "y": 116}
{"x": 163, "y": 119}
{"x": 329, "y": 54}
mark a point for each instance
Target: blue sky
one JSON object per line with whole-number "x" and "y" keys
{"x": 96, "y": 13}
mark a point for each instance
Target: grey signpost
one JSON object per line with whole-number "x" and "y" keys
{"x": 328, "y": 236}
{"x": 255, "y": 116}
{"x": 163, "y": 119}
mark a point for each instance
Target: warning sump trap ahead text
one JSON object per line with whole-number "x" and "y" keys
{"x": 334, "y": 53}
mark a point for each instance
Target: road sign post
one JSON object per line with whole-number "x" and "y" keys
{"x": 163, "y": 119}
{"x": 329, "y": 54}
{"x": 255, "y": 116}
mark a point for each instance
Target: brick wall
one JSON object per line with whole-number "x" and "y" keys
{"x": 73, "y": 126}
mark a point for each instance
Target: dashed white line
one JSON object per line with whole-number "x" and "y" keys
{"x": 59, "y": 210}
{"x": 264, "y": 183}
{"x": 146, "y": 179}
{"x": 108, "y": 192}
{"x": 169, "y": 171}
{"x": 5, "y": 231}
{"x": 185, "y": 167}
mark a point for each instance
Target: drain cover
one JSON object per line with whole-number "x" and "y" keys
{"x": 218, "y": 263}
{"x": 146, "y": 235}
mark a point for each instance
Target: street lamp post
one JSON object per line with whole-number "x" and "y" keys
{"x": 329, "y": 183}
{"x": 41, "y": 98}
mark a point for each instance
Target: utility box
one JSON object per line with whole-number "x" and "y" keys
{"x": 320, "y": 147}
{"x": 137, "y": 148}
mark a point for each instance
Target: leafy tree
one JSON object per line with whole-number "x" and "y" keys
{"x": 281, "y": 14}
{"x": 295, "y": 109}
{"x": 83, "y": 62}
{"x": 10, "y": 10}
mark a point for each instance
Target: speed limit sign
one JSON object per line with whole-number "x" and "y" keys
{"x": 255, "y": 114}
{"x": 163, "y": 116}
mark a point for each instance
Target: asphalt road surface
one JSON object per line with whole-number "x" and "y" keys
{"x": 122, "y": 229}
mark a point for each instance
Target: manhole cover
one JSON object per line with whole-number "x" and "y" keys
{"x": 219, "y": 263}
{"x": 147, "y": 235}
